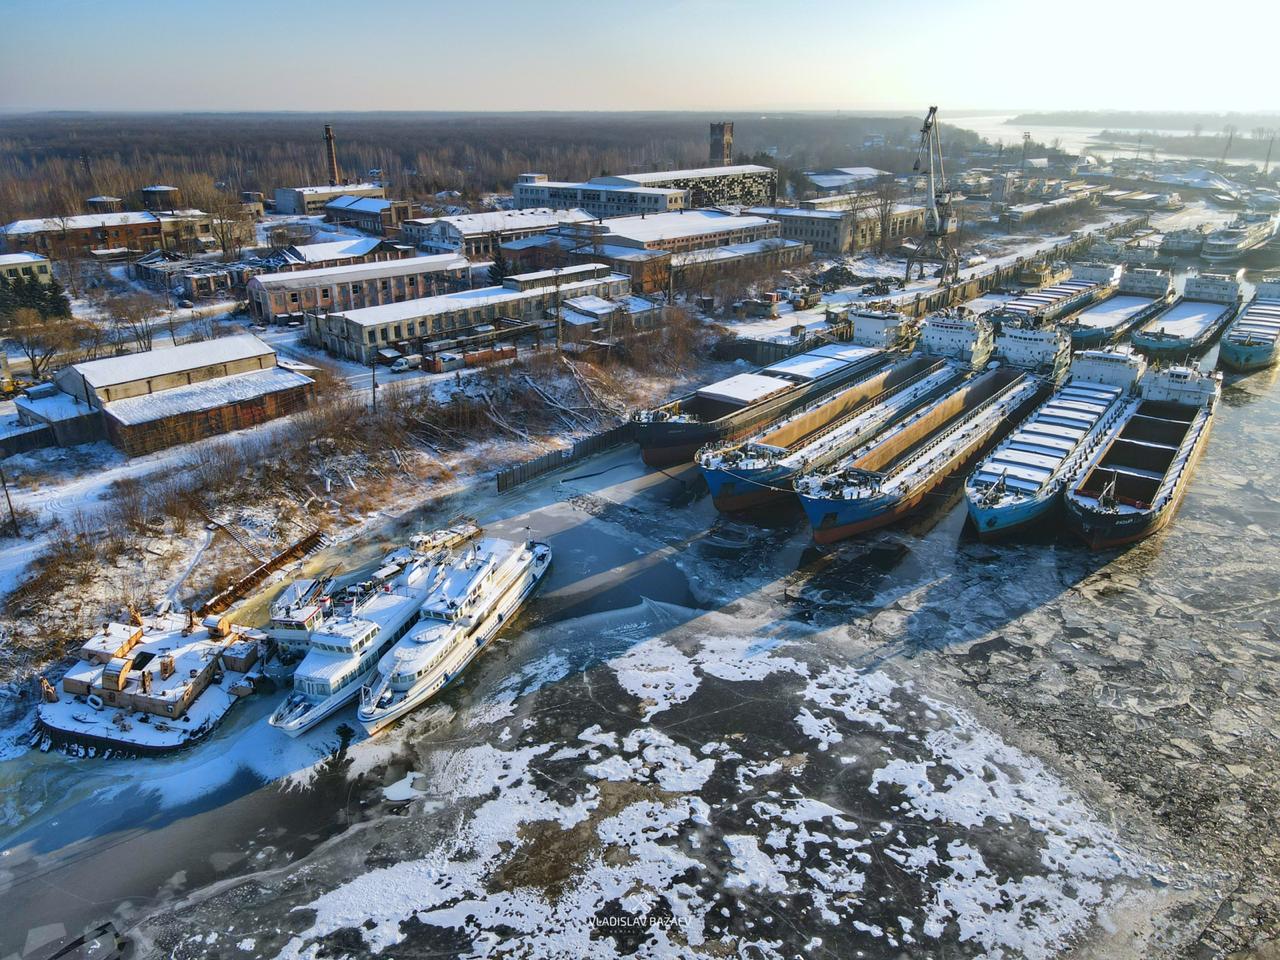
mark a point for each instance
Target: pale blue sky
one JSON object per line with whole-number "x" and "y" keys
{"x": 653, "y": 55}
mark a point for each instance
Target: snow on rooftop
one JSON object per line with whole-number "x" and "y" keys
{"x": 362, "y": 271}
{"x": 362, "y": 204}
{"x": 320, "y": 252}
{"x": 337, "y": 188}
{"x": 56, "y": 407}
{"x": 744, "y": 388}
{"x": 203, "y": 396}
{"x": 495, "y": 221}
{"x": 661, "y": 176}
{"x": 15, "y": 259}
{"x": 79, "y": 222}
{"x": 800, "y": 212}
{"x": 670, "y": 226}
{"x": 462, "y": 300}
{"x": 156, "y": 363}
{"x": 732, "y": 250}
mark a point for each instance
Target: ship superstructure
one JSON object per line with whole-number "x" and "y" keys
{"x": 957, "y": 334}
{"x": 1245, "y": 233}
{"x": 361, "y": 624}
{"x": 476, "y": 590}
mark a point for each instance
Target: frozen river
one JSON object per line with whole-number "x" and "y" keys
{"x": 914, "y": 745}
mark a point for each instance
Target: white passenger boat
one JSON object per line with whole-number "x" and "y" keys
{"x": 1247, "y": 232}
{"x": 345, "y": 643}
{"x": 475, "y": 593}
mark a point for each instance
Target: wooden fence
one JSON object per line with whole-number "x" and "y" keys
{"x": 532, "y": 469}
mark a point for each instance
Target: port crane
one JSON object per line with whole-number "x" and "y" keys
{"x": 940, "y": 220}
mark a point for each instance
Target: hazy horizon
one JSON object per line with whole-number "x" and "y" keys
{"x": 573, "y": 56}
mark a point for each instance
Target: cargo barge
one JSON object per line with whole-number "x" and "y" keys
{"x": 1019, "y": 482}
{"x": 1141, "y": 294}
{"x": 732, "y": 408}
{"x": 1250, "y": 342}
{"x": 1136, "y": 479}
{"x": 1088, "y": 283}
{"x": 1186, "y": 327}
{"x": 761, "y": 468}
{"x": 890, "y": 476}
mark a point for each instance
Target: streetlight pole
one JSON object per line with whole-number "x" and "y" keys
{"x": 13, "y": 517}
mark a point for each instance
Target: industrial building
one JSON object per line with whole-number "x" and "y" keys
{"x": 835, "y": 232}
{"x": 696, "y": 269}
{"x": 597, "y": 199}
{"x": 656, "y": 192}
{"x": 376, "y": 215}
{"x": 351, "y": 287}
{"x": 312, "y": 200}
{"x": 187, "y": 231}
{"x": 642, "y": 247}
{"x": 526, "y": 298}
{"x": 478, "y": 235}
{"x": 25, "y": 266}
{"x": 843, "y": 179}
{"x": 148, "y": 401}
{"x": 674, "y": 232}
{"x": 334, "y": 253}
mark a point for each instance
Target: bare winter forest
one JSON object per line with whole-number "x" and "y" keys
{"x": 50, "y": 162}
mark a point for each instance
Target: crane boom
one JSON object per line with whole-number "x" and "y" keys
{"x": 940, "y": 220}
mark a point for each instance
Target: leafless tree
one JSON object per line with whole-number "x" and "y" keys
{"x": 136, "y": 316}
{"x": 40, "y": 337}
{"x": 886, "y": 194}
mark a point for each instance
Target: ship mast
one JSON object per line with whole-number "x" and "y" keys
{"x": 939, "y": 216}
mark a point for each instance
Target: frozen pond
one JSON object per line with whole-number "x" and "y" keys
{"x": 914, "y": 745}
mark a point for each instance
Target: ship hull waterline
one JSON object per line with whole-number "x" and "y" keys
{"x": 881, "y": 516}
{"x": 1107, "y": 533}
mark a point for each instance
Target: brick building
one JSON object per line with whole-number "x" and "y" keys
{"x": 376, "y": 215}
{"x": 276, "y": 295}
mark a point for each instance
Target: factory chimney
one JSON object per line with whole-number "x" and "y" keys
{"x": 331, "y": 149}
{"x": 722, "y": 143}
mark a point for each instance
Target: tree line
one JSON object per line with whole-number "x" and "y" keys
{"x": 50, "y": 163}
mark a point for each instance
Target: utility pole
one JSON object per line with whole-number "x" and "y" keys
{"x": 1266, "y": 164}
{"x": 13, "y": 517}
{"x": 373, "y": 379}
